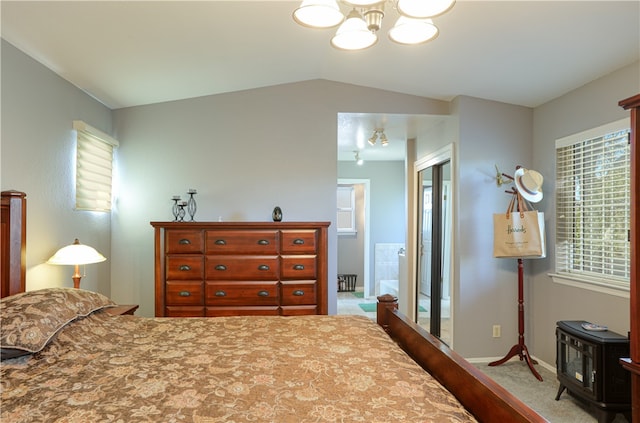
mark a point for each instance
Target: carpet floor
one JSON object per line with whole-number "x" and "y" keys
{"x": 516, "y": 377}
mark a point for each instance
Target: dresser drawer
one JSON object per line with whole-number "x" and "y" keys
{"x": 262, "y": 268}
{"x": 184, "y": 241}
{"x": 245, "y": 242}
{"x": 184, "y": 267}
{"x": 298, "y": 267}
{"x": 298, "y": 310}
{"x": 298, "y": 292}
{"x": 241, "y": 293}
{"x": 243, "y": 311}
{"x": 182, "y": 311}
{"x": 184, "y": 293}
{"x": 299, "y": 241}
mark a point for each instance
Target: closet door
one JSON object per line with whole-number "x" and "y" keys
{"x": 434, "y": 249}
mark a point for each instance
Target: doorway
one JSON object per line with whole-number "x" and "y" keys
{"x": 353, "y": 234}
{"x": 433, "y": 249}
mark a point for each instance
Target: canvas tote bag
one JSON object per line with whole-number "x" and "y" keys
{"x": 519, "y": 233}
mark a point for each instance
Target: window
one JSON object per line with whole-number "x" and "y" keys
{"x": 346, "y": 210}
{"x": 593, "y": 206}
{"x": 94, "y": 162}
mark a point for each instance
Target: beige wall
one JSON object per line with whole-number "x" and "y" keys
{"x": 485, "y": 288}
{"x": 587, "y": 107}
{"x": 387, "y": 214}
{"x": 245, "y": 152}
{"x": 37, "y": 157}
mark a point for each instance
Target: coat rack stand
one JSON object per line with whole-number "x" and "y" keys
{"x": 520, "y": 349}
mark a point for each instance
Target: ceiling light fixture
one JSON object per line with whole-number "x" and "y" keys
{"x": 378, "y": 133}
{"x": 383, "y": 140}
{"x": 359, "y": 30}
{"x": 359, "y": 161}
{"x": 373, "y": 138}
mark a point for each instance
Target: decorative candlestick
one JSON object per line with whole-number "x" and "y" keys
{"x": 191, "y": 203}
{"x": 175, "y": 210}
{"x": 181, "y": 211}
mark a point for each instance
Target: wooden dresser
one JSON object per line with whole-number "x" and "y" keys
{"x": 240, "y": 268}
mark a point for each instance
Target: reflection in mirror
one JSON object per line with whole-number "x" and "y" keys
{"x": 434, "y": 250}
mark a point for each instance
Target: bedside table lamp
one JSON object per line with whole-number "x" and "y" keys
{"x": 75, "y": 255}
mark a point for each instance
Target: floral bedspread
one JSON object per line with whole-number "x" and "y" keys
{"x": 225, "y": 369}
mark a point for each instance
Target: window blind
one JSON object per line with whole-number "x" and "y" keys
{"x": 593, "y": 205}
{"x": 94, "y": 168}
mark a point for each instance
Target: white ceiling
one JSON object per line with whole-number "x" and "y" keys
{"x": 128, "y": 53}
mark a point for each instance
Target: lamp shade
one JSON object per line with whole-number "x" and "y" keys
{"x": 76, "y": 253}
{"x": 318, "y": 14}
{"x": 421, "y": 9}
{"x": 413, "y": 31}
{"x": 354, "y": 34}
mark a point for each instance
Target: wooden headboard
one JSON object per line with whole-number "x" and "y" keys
{"x": 13, "y": 233}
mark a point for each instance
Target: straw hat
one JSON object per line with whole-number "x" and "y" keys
{"x": 529, "y": 184}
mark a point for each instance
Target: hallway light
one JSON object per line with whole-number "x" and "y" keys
{"x": 378, "y": 133}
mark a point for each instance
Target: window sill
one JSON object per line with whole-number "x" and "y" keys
{"x": 347, "y": 233}
{"x": 591, "y": 285}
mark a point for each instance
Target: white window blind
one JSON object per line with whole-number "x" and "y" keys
{"x": 593, "y": 205}
{"x": 346, "y": 219}
{"x": 94, "y": 168}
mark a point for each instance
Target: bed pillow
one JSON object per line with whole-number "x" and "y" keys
{"x": 30, "y": 320}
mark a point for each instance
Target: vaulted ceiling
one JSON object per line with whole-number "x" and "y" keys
{"x": 128, "y": 53}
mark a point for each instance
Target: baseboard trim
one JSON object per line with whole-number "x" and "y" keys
{"x": 484, "y": 360}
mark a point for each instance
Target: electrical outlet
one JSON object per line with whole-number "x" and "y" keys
{"x": 496, "y": 331}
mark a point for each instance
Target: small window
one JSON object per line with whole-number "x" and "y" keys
{"x": 94, "y": 168}
{"x": 346, "y": 210}
{"x": 593, "y": 206}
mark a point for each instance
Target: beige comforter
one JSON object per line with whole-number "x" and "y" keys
{"x": 226, "y": 369}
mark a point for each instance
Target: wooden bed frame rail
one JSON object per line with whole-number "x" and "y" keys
{"x": 479, "y": 394}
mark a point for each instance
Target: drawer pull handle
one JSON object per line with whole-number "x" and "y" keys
{"x": 221, "y": 294}
{"x": 184, "y": 241}
{"x": 221, "y": 267}
{"x": 298, "y": 267}
{"x": 298, "y": 292}
{"x": 184, "y": 268}
{"x": 220, "y": 242}
{"x": 263, "y": 267}
{"x": 184, "y": 293}
{"x": 263, "y": 242}
{"x": 263, "y": 293}
{"x": 298, "y": 241}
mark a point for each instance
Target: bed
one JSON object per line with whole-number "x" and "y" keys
{"x": 67, "y": 358}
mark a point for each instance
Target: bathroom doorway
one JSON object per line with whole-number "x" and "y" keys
{"x": 353, "y": 228}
